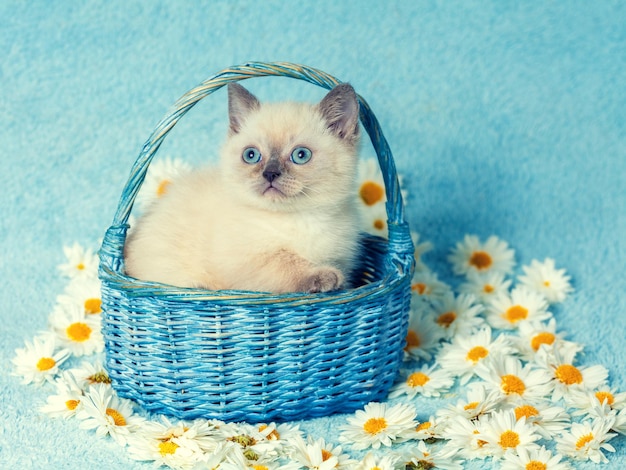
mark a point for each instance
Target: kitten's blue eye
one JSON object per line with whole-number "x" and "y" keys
{"x": 301, "y": 155}
{"x": 251, "y": 155}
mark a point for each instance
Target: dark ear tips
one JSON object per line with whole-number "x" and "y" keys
{"x": 340, "y": 108}
{"x": 240, "y": 103}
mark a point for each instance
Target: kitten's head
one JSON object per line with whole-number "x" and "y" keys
{"x": 292, "y": 156}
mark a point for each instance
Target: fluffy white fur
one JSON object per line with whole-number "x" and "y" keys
{"x": 230, "y": 227}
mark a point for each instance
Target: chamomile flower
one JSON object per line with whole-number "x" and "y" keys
{"x": 378, "y": 425}
{"x": 565, "y": 376}
{"x": 372, "y": 197}
{"x": 372, "y": 462}
{"x": 319, "y": 455}
{"x": 426, "y": 286}
{"x": 178, "y": 445}
{"x": 432, "y": 428}
{"x": 478, "y": 402}
{"x": 420, "y": 250}
{"x": 424, "y": 335}
{"x": 534, "y": 335}
{"x": 90, "y": 373}
{"x": 485, "y": 286}
{"x": 596, "y": 403}
{"x": 465, "y": 437}
{"x": 587, "y": 441}
{"x": 429, "y": 381}
{"x": 547, "y": 420}
{"x": 513, "y": 380}
{"x": 423, "y": 456}
{"x": 38, "y": 362}
{"x": 77, "y": 332}
{"x": 545, "y": 279}
{"x": 503, "y": 433}
{"x": 508, "y": 311}
{"x": 471, "y": 255}
{"x": 534, "y": 459}
{"x": 464, "y": 353}
{"x": 67, "y": 400}
{"x": 158, "y": 179}
{"x": 85, "y": 293}
{"x": 276, "y": 437}
{"x": 105, "y": 412}
{"x": 80, "y": 262}
{"x": 458, "y": 314}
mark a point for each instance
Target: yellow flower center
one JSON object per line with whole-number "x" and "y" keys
{"x": 516, "y": 313}
{"x": 480, "y": 260}
{"x": 162, "y": 188}
{"x": 446, "y": 319}
{"x": 375, "y": 425}
{"x": 260, "y": 467}
{"x": 412, "y": 340}
{"x": 542, "y": 338}
{"x": 568, "y": 374}
{"x": 488, "y": 288}
{"x": 417, "y": 379}
{"x": 117, "y": 417}
{"x": 546, "y": 283}
{"x": 273, "y": 435}
{"x": 80, "y": 266}
{"x": 584, "y": 440}
{"x": 326, "y": 454}
{"x": 608, "y": 396}
{"x": 71, "y": 404}
{"x": 423, "y": 426}
{"x": 371, "y": 192}
{"x": 99, "y": 378}
{"x": 512, "y": 384}
{"x": 419, "y": 287}
{"x": 471, "y": 406}
{"x": 525, "y": 411}
{"x": 46, "y": 363}
{"x": 536, "y": 465}
{"x": 376, "y": 468}
{"x": 93, "y": 306}
{"x": 168, "y": 447}
{"x": 509, "y": 439}
{"x": 78, "y": 332}
{"x": 477, "y": 353}
{"x": 379, "y": 224}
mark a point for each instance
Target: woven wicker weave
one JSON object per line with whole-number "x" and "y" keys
{"x": 249, "y": 356}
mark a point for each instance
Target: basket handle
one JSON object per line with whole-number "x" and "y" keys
{"x": 399, "y": 234}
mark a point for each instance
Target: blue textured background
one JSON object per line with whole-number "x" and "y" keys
{"x": 505, "y": 118}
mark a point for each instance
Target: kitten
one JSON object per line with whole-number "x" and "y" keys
{"x": 277, "y": 214}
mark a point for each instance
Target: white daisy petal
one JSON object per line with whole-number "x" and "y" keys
{"x": 38, "y": 362}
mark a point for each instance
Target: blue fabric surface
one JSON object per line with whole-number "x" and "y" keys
{"x": 504, "y": 117}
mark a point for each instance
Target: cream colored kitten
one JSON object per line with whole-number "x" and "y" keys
{"x": 277, "y": 214}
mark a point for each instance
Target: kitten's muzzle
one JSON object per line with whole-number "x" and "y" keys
{"x": 272, "y": 171}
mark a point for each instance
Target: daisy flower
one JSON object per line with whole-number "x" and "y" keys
{"x": 547, "y": 420}
{"x": 514, "y": 381}
{"x": 433, "y": 428}
{"x": 426, "y": 286}
{"x": 545, "y": 279}
{"x": 587, "y": 441}
{"x": 423, "y": 456}
{"x": 458, "y": 314}
{"x": 534, "y": 335}
{"x": 478, "y": 402}
{"x": 508, "y": 311}
{"x": 38, "y": 362}
{"x": 318, "y": 455}
{"x": 503, "y": 433}
{"x": 276, "y": 437}
{"x": 372, "y": 197}
{"x": 158, "y": 179}
{"x": 420, "y": 250}
{"x": 79, "y": 333}
{"x": 602, "y": 400}
{"x": 67, "y": 400}
{"x": 427, "y": 382}
{"x": 105, "y": 412}
{"x": 424, "y": 335}
{"x": 378, "y": 425}
{"x": 485, "y": 286}
{"x": 566, "y": 377}
{"x": 465, "y": 437}
{"x": 85, "y": 293}
{"x": 90, "y": 373}
{"x": 461, "y": 357}
{"x": 177, "y": 445}
{"x": 80, "y": 262}
{"x": 535, "y": 459}
{"x": 471, "y": 255}
{"x": 372, "y": 462}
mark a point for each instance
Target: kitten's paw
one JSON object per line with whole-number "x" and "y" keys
{"x": 323, "y": 279}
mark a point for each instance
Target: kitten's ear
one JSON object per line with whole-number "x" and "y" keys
{"x": 340, "y": 109}
{"x": 240, "y": 103}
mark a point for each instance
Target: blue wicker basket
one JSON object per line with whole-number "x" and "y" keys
{"x": 249, "y": 356}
